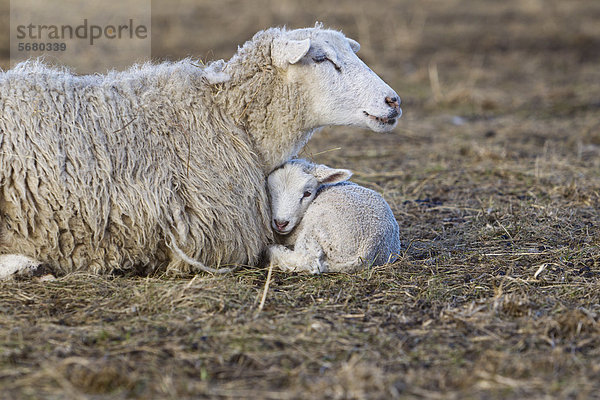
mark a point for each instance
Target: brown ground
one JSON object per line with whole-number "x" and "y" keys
{"x": 493, "y": 175}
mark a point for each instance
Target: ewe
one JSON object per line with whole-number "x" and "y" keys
{"x": 162, "y": 167}
{"x": 332, "y": 225}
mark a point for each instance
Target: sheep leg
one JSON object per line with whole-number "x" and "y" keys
{"x": 298, "y": 260}
{"x": 18, "y": 265}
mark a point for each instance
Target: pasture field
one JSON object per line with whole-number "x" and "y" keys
{"x": 494, "y": 177}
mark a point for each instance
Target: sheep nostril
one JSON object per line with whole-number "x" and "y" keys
{"x": 393, "y": 101}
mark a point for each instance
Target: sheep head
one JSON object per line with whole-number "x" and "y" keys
{"x": 294, "y": 186}
{"x": 341, "y": 89}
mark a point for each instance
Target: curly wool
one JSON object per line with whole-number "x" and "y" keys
{"x": 353, "y": 224}
{"x": 142, "y": 168}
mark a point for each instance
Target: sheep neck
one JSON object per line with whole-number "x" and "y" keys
{"x": 271, "y": 111}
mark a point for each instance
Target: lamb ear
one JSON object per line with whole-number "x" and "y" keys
{"x": 286, "y": 51}
{"x": 354, "y": 45}
{"x": 326, "y": 175}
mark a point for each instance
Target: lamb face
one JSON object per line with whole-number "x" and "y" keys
{"x": 293, "y": 187}
{"x": 291, "y": 191}
{"x": 341, "y": 88}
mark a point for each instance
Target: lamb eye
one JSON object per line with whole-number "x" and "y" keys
{"x": 307, "y": 194}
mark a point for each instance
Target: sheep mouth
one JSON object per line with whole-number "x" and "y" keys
{"x": 283, "y": 232}
{"x": 389, "y": 120}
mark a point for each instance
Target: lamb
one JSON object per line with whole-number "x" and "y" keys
{"x": 332, "y": 225}
{"x": 162, "y": 167}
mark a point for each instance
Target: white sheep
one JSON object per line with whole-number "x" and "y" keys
{"x": 162, "y": 167}
{"x": 332, "y": 225}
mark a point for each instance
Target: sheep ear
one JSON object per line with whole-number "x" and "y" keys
{"x": 354, "y": 45}
{"x": 326, "y": 175}
{"x": 285, "y": 51}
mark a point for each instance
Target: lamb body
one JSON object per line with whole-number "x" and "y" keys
{"x": 332, "y": 225}
{"x": 163, "y": 166}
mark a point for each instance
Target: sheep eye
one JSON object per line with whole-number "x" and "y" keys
{"x": 306, "y": 194}
{"x": 321, "y": 58}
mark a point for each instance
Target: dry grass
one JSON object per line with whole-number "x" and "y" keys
{"x": 493, "y": 175}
